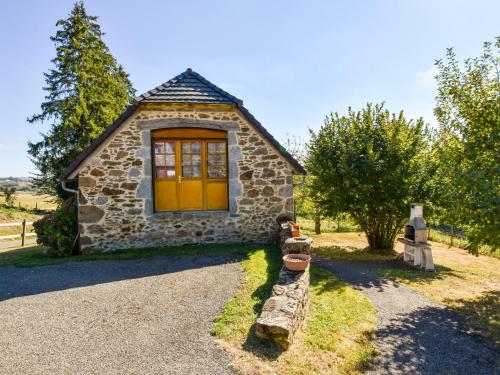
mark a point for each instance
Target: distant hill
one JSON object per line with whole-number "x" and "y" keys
{"x": 20, "y": 183}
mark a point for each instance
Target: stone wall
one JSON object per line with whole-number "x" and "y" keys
{"x": 284, "y": 312}
{"x": 116, "y": 185}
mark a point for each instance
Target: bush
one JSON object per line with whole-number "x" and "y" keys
{"x": 57, "y": 231}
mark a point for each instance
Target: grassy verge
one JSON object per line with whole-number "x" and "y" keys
{"x": 336, "y": 337}
{"x": 33, "y": 256}
{"x": 467, "y": 284}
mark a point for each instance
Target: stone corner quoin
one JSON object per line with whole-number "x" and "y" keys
{"x": 116, "y": 187}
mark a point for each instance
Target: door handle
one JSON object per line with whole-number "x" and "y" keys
{"x": 179, "y": 179}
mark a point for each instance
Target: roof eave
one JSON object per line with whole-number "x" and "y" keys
{"x": 299, "y": 169}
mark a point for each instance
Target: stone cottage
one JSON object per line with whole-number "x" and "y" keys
{"x": 186, "y": 163}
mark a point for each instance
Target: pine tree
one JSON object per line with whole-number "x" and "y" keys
{"x": 86, "y": 91}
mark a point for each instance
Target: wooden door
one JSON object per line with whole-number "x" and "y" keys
{"x": 190, "y": 173}
{"x": 216, "y": 173}
{"x": 166, "y": 171}
{"x": 191, "y": 179}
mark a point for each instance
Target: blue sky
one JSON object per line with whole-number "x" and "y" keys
{"x": 292, "y": 62}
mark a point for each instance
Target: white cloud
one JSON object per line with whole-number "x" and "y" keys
{"x": 426, "y": 77}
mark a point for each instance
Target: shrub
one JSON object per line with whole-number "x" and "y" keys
{"x": 57, "y": 230}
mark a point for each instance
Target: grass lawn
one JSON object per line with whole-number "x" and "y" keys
{"x": 336, "y": 337}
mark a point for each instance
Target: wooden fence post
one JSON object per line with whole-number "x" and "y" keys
{"x": 24, "y": 233}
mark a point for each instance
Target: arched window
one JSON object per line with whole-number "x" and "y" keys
{"x": 190, "y": 169}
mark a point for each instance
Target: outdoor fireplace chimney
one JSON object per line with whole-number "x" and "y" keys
{"x": 416, "y": 229}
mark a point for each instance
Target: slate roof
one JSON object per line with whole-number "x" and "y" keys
{"x": 187, "y": 87}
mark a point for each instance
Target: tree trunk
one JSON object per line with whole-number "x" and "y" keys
{"x": 379, "y": 241}
{"x": 317, "y": 222}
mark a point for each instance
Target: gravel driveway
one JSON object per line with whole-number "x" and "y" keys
{"x": 415, "y": 335}
{"x": 146, "y": 316}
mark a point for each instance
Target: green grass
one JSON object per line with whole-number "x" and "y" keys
{"x": 261, "y": 269}
{"x": 336, "y": 337}
{"x": 30, "y": 257}
{"x": 346, "y": 253}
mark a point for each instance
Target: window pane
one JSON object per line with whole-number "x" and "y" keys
{"x": 217, "y": 171}
{"x": 211, "y": 147}
{"x": 159, "y": 148}
{"x": 170, "y": 160}
{"x": 171, "y": 171}
{"x": 160, "y": 160}
{"x": 161, "y": 172}
{"x": 196, "y": 171}
{"x": 195, "y": 148}
{"x": 186, "y": 171}
{"x": 216, "y": 159}
{"x": 186, "y": 159}
{"x": 186, "y": 147}
{"x": 170, "y": 148}
{"x": 196, "y": 160}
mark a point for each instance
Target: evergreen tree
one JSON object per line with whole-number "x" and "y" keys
{"x": 86, "y": 91}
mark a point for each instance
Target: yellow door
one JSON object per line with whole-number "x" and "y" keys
{"x": 216, "y": 172}
{"x": 166, "y": 172}
{"x": 191, "y": 181}
{"x": 190, "y": 174}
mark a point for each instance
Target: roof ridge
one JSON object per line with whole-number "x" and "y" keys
{"x": 199, "y": 77}
{"x": 159, "y": 87}
{"x": 214, "y": 87}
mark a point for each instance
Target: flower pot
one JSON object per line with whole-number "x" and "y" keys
{"x": 294, "y": 228}
{"x": 296, "y": 262}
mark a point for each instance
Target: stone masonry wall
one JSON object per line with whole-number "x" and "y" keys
{"x": 115, "y": 186}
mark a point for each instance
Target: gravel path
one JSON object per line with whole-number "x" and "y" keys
{"x": 146, "y": 316}
{"x": 414, "y": 335}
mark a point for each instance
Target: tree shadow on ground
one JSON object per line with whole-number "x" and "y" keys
{"x": 482, "y": 312}
{"x": 432, "y": 340}
{"x": 19, "y": 282}
{"x": 407, "y": 272}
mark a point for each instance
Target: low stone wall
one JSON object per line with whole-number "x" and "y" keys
{"x": 284, "y": 312}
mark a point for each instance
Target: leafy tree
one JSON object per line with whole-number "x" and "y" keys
{"x": 468, "y": 148}
{"x": 371, "y": 164}
{"x": 10, "y": 195}
{"x": 86, "y": 90}
{"x": 306, "y": 203}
